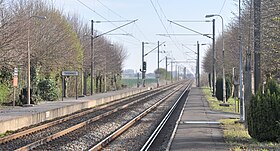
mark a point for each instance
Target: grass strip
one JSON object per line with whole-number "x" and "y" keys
{"x": 235, "y": 133}
{"x": 215, "y": 104}
{"x": 237, "y": 136}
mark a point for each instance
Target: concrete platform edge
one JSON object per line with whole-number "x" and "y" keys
{"x": 34, "y": 118}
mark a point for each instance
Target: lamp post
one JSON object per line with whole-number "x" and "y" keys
{"x": 214, "y": 58}
{"x": 29, "y": 60}
{"x": 242, "y": 103}
{"x": 91, "y": 55}
{"x": 223, "y": 55}
{"x": 91, "y": 58}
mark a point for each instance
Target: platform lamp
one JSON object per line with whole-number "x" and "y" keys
{"x": 223, "y": 55}
{"x": 28, "y": 60}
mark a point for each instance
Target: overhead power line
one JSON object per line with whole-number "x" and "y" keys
{"x": 104, "y": 17}
{"x": 206, "y": 35}
{"x": 122, "y": 18}
{"x": 167, "y": 19}
{"x": 162, "y": 22}
{"x": 115, "y": 29}
{"x": 192, "y": 21}
{"x": 222, "y": 6}
{"x": 189, "y": 48}
{"x": 159, "y": 16}
{"x": 161, "y": 10}
{"x": 181, "y": 34}
{"x": 110, "y": 10}
{"x": 92, "y": 10}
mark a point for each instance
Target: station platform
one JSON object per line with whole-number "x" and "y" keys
{"x": 198, "y": 127}
{"x": 13, "y": 118}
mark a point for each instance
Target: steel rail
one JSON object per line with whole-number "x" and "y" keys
{"x": 75, "y": 115}
{"x": 118, "y": 132}
{"x": 176, "y": 126}
{"x": 38, "y": 128}
{"x": 87, "y": 122}
{"x": 154, "y": 135}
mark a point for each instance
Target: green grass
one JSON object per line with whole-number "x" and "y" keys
{"x": 236, "y": 135}
{"x": 133, "y": 82}
{"x": 5, "y": 134}
{"x": 215, "y": 104}
{"x": 4, "y": 92}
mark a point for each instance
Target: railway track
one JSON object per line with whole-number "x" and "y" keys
{"x": 164, "y": 120}
{"x": 42, "y": 134}
{"x": 142, "y": 135}
{"x": 46, "y": 124}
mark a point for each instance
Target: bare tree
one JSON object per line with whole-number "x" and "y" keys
{"x": 270, "y": 25}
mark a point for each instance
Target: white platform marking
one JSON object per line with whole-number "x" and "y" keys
{"x": 199, "y": 122}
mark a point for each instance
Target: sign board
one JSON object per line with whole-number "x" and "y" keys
{"x": 157, "y": 75}
{"x": 15, "y": 71}
{"x": 15, "y": 81}
{"x": 70, "y": 73}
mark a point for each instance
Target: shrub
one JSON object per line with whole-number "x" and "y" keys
{"x": 228, "y": 88}
{"x": 4, "y": 92}
{"x": 219, "y": 88}
{"x": 263, "y": 114}
{"x": 47, "y": 90}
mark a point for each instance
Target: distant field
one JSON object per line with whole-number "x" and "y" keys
{"x": 133, "y": 82}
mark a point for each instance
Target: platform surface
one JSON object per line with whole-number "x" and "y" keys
{"x": 199, "y": 128}
{"x": 19, "y": 111}
{"x": 13, "y": 118}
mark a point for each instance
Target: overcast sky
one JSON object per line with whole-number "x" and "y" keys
{"x": 152, "y": 18}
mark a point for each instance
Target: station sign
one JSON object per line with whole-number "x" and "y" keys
{"x": 15, "y": 71}
{"x": 70, "y": 73}
{"x": 15, "y": 77}
{"x": 15, "y": 81}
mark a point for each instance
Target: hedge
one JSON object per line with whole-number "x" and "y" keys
{"x": 263, "y": 114}
{"x": 219, "y": 88}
